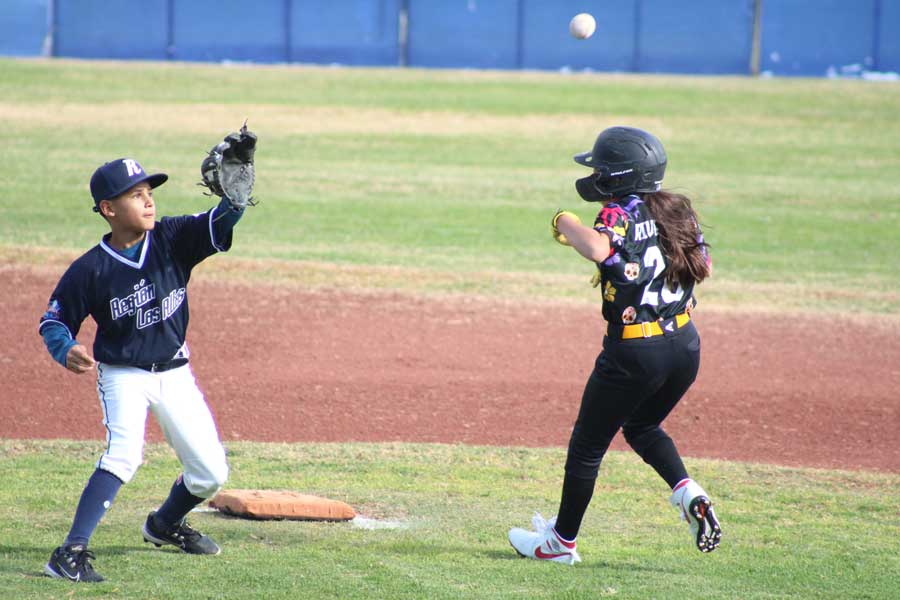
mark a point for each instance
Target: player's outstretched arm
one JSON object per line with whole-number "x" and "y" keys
{"x": 588, "y": 242}
{"x": 78, "y": 360}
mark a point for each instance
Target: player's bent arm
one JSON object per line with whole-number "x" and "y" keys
{"x": 57, "y": 339}
{"x": 588, "y": 242}
{"x": 65, "y": 350}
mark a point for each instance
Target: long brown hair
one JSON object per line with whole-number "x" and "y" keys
{"x": 679, "y": 235}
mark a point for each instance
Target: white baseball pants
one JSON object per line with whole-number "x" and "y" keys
{"x": 126, "y": 393}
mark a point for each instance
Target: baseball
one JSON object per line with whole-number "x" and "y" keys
{"x": 582, "y": 26}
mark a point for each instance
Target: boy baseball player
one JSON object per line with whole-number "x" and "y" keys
{"x": 134, "y": 285}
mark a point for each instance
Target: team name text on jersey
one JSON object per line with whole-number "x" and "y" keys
{"x": 134, "y": 304}
{"x": 644, "y": 230}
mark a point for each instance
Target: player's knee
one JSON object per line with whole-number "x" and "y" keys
{"x": 641, "y": 439}
{"x": 585, "y": 456}
{"x": 219, "y": 477}
{"x": 123, "y": 467}
{"x": 583, "y": 470}
{"x": 205, "y": 482}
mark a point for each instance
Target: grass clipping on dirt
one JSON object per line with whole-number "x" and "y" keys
{"x": 787, "y": 532}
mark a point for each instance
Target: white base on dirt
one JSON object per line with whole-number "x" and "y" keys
{"x": 367, "y": 523}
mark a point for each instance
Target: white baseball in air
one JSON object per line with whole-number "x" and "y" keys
{"x": 582, "y": 26}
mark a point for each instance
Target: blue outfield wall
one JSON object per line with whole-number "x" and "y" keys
{"x": 463, "y": 33}
{"x": 888, "y": 43}
{"x": 548, "y": 45}
{"x": 357, "y": 32}
{"x": 23, "y": 27}
{"x": 692, "y": 36}
{"x": 241, "y": 31}
{"x": 796, "y": 37}
{"x": 796, "y": 42}
{"x": 800, "y": 37}
{"x": 352, "y": 32}
{"x": 275, "y": 31}
{"x": 103, "y": 29}
{"x": 695, "y": 36}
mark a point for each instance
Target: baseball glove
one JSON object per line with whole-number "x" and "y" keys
{"x": 228, "y": 170}
{"x": 560, "y": 237}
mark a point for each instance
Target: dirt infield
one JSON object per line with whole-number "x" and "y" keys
{"x": 284, "y": 364}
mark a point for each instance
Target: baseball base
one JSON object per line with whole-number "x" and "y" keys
{"x": 270, "y": 504}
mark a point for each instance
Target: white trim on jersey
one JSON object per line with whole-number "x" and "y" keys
{"x": 122, "y": 259}
{"x": 45, "y": 321}
{"x": 212, "y": 234}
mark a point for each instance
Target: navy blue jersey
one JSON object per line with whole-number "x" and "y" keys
{"x": 140, "y": 306}
{"x": 633, "y": 277}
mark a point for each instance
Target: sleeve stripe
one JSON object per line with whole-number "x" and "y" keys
{"x": 64, "y": 326}
{"x": 212, "y": 235}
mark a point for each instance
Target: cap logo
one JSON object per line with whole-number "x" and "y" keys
{"x": 132, "y": 166}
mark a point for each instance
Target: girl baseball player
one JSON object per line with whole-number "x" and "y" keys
{"x": 649, "y": 253}
{"x": 134, "y": 285}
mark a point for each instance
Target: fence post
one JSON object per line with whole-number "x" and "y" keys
{"x": 48, "y": 48}
{"x": 170, "y": 30}
{"x": 520, "y": 33}
{"x": 756, "y": 45}
{"x": 636, "y": 51}
{"x": 876, "y": 35}
{"x": 288, "y": 16}
{"x": 403, "y": 33}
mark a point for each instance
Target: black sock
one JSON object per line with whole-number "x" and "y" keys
{"x": 576, "y": 495}
{"x": 178, "y": 504}
{"x": 664, "y": 458}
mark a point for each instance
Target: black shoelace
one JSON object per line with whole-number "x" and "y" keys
{"x": 82, "y": 560}
{"x": 185, "y": 531}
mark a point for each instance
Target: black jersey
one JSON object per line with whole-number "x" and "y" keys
{"x": 140, "y": 307}
{"x": 633, "y": 277}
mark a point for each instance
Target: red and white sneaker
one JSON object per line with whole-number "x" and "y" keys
{"x": 543, "y": 543}
{"x": 695, "y": 508}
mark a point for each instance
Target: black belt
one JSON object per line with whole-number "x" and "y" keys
{"x": 164, "y": 366}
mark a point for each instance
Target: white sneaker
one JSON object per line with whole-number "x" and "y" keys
{"x": 695, "y": 508}
{"x": 543, "y": 543}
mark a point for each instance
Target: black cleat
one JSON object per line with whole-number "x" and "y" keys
{"x": 72, "y": 562}
{"x": 695, "y": 508}
{"x": 703, "y": 518}
{"x": 180, "y": 534}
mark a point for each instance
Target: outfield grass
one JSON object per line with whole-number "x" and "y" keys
{"x": 417, "y": 176}
{"x": 788, "y": 533}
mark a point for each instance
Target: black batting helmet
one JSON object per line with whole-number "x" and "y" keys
{"x": 625, "y": 160}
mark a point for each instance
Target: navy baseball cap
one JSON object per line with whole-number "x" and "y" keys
{"x": 117, "y": 176}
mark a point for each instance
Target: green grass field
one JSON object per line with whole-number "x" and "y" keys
{"x": 444, "y": 183}
{"x": 789, "y": 533}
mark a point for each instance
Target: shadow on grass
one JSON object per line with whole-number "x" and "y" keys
{"x": 41, "y": 555}
{"x": 587, "y": 563}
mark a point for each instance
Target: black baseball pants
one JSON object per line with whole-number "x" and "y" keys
{"x": 634, "y": 386}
